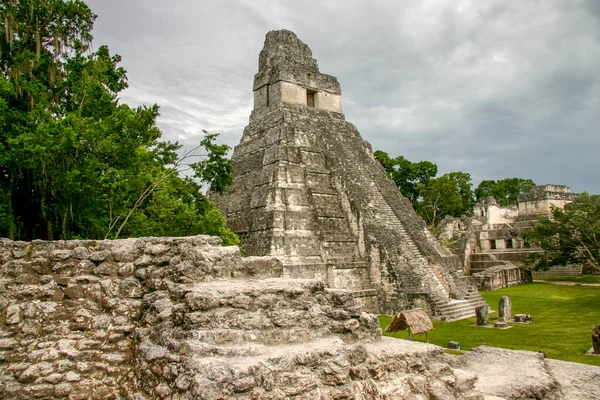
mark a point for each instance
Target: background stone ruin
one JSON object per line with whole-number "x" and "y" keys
{"x": 490, "y": 241}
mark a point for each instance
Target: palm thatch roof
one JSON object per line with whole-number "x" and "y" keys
{"x": 417, "y": 320}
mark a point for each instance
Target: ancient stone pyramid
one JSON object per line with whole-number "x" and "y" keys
{"x": 308, "y": 190}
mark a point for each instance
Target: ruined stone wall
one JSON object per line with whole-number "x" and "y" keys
{"x": 183, "y": 318}
{"x": 69, "y": 309}
{"x": 541, "y": 207}
{"x": 540, "y": 199}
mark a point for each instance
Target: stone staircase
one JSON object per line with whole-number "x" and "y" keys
{"x": 280, "y": 338}
{"x": 566, "y": 270}
{"x": 445, "y": 308}
{"x": 383, "y": 211}
{"x": 454, "y": 310}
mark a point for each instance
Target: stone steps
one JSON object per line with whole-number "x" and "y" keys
{"x": 326, "y": 368}
{"x": 455, "y": 310}
{"x": 385, "y": 212}
{"x": 446, "y": 309}
{"x": 268, "y": 311}
{"x": 561, "y": 271}
{"x": 273, "y": 336}
{"x": 364, "y": 293}
{"x": 280, "y": 338}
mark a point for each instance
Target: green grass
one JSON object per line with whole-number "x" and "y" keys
{"x": 576, "y": 279}
{"x": 563, "y": 320}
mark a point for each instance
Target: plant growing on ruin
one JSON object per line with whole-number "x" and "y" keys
{"x": 570, "y": 236}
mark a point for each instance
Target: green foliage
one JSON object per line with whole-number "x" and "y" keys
{"x": 433, "y": 198}
{"x": 76, "y": 163}
{"x": 563, "y": 330}
{"x": 505, "y": 191}
{"x": 407, "y": 175}
{"x": 216, "y": 169}
{"x": 450, "y": 194}
{"x": 571, "y": 236}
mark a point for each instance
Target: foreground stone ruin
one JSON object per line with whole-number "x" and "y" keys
{"x": 184, "y": 318}
{"x": 308, "y": 190}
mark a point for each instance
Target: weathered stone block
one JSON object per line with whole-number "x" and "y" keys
{"x": 13, "y": 314}
{"x": 454, "y": 345}
{"x": 299, "y": 220}
{"x": 263, "y": 197}
{"x": 327, "y": 205}
{"x": 523, "y": 318}
{"x": 99, "y": 256}
{"x": 504, "y": 309}
{"x": 296, "y": 197}
{"x": 295, "y": 174}
{"x": 481, "y": 312}
{"x": 81, "y": 253}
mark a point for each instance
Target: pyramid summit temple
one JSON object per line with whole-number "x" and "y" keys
{"x": 308, "y": 191}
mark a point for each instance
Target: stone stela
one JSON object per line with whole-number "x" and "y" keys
{"x": 308, "y": 191}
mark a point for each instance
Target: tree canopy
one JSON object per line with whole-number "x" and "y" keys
{"x": 407, "y": 175}
{"x": 447, "y": 195}
{"x": 505, "y": 191}
{"x": 75, "y": 162}
{"x": 571, "y": 236}
{"x": 451, "y": 194}
{"x": 433, "y": 198}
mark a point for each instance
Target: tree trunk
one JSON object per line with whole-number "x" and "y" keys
{"x": 12, "y": 228}
{"x": 45, "y": 216}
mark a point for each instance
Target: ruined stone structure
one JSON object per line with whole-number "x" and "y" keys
{"x": 184, "y": 318}
{"x": 308, "y": 191}
{"x": 490, "y": 242}
{"x": 540, "y": 199}
{"x": 481, "y": 313}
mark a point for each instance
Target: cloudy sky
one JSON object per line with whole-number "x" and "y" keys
{"x": 498, "y": 88}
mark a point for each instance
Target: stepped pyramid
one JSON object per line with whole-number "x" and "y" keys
{"x": 308, "y": 190}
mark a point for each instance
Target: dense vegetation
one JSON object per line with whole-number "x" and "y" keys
{"x": 450, "y": 194}
{"x": 563, "y": 329}
{"x": 571, "y": 236}
{"x": 74, "y": 161}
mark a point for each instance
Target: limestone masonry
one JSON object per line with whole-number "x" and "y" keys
{"x": 308, "y": 191}
{"x": 491, "y": 244}
{"x": 184, "y": 318}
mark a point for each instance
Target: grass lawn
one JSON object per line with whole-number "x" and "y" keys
{"x": 563, "y": 320}
{"x": 576, "y": 279}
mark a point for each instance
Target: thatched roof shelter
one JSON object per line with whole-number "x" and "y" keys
{"x": 416, "y": 320}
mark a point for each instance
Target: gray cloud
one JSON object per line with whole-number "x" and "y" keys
{"x": 497, "y": 89}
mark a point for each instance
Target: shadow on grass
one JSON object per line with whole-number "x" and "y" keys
{"x": 563, "y": 319}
